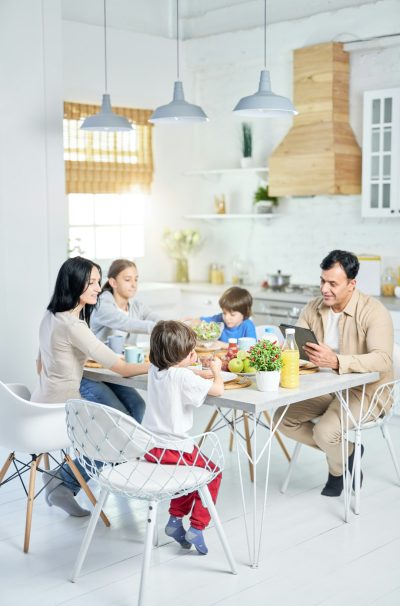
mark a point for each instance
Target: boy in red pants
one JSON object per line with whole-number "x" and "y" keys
{"x": 173, "y": 391}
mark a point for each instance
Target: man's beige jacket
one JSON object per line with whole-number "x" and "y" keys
{"x": 365, "y": 336}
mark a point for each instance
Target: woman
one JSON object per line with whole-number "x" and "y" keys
{"x": 66, "y": 341}
{"x": 118, "y": 314}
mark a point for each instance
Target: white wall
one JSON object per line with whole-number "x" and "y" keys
{"x": 218, "y": 70}
{"x": 32, "y": 203}
{"x": 227, "y": 67}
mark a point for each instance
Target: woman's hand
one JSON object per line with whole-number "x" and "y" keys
{"x": 130, "y": 370}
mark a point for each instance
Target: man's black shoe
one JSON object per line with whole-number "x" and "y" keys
{"x": 350, "y": 466}
{"x": 333, "y": 487}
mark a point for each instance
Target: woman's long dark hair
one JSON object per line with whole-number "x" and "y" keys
{"x": 72, "y": 280}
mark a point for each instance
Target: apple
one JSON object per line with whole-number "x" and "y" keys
{"x": 235, "y": 365}
{"x": 247, "y": 366}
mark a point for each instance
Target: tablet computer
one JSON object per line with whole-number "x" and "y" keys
{"x": 302, "y": 336}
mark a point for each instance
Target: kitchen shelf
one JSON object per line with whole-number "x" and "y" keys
{"x": 228, "y": 216}
{"x": 228, "y": 171}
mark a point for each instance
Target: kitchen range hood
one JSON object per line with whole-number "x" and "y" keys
{"x": 320, "y": 154}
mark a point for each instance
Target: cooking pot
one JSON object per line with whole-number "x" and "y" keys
{"x": 278, "y": 281}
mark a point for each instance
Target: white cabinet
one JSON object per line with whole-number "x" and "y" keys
{"x": 163, "y": 299}
{"x": 381, "y": 154}
{"x": 196, "y": 304}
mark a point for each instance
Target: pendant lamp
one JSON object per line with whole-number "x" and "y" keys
{"x": 178, "y": 110}
{"x": 106, "y": 120}
{"x": 264, "y": 103}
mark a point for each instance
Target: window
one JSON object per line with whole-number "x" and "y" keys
{"x": 107, "y": 178}
{"x": 106, "y": 226}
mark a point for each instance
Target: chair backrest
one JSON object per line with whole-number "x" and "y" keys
{"x": 387, "y": 396}
{"x": 260, "y": 332}
{"x": 105, "y": 438}
{"x": 30, "y": 427}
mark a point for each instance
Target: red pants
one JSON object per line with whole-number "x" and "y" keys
{"x": 182, "y": 506}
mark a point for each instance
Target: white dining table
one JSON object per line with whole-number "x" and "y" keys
{"x": 254, "y": 402}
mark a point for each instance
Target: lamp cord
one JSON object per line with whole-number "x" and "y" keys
{"x": 177, "y": 39}
{"x": 265, "y": 34}
{"x": 105, "y": 46}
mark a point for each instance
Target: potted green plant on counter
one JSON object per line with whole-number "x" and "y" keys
{"x": 247, "y": 146}
{"x": 266, "y": 358}
{"x": 263, "y": 202}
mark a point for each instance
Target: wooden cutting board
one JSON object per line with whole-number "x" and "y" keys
{"x": 238, "y": 383}
{"x": 307, "y": 368}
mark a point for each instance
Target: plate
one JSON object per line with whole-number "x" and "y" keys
{"x": 228, "y": 376}
{"x": 246, "y": 374}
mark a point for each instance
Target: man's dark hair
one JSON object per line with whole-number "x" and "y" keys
{"x": 72, "y": 281}
{"x": 347, "y": 260}
{"x": 237, "y": 299}
{"x": 170, "y": 343}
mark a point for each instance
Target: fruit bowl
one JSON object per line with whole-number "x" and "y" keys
{"x": 208, "y": 333}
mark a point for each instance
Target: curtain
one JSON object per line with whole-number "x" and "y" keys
{"x": 107, "y": 162}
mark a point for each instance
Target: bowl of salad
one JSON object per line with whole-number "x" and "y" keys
{"x": 208, "y": 333}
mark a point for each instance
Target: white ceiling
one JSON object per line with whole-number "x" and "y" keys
{"x": 198, "y": 17}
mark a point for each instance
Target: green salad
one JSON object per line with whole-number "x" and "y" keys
{"x": 208, "y": 331}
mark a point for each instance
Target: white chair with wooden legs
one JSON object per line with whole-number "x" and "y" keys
{"x": 111, "y": 447}
{"x": 386, "y": 397}
{"x": 35, "y": 430}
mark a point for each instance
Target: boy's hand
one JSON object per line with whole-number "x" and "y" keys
{"x": 216, "y": 365}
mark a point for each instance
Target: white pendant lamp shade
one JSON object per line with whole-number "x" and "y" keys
{"x": 264, "y": 103}
{"x": 106, "y": 120}
{"x": 178, "y": 110}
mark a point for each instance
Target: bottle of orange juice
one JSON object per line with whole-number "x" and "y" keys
{"x": 290, "y": 358}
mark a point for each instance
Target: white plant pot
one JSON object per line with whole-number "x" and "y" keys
{"x": 268, "y": 380}
{"x": 264, "y": 207}
{"x": 246, "y": 162}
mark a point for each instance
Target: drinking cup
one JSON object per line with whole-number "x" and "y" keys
{"x": 134, "y": 355}
{"x": 245, "y": 343}
{"x": 116, "y": 343}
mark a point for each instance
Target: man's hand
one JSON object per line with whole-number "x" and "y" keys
{"x": 321, "y": 355}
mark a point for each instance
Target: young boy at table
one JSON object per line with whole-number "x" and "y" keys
{"x": 173, "y": 392}
{"x": 236, "y": 304}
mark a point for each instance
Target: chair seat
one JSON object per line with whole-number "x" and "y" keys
{"x": 145, "y": 480}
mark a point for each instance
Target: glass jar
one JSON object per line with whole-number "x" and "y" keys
{"x": 388, "y": 282}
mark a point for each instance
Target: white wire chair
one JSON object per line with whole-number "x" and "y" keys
{"x": 384, "y": 404}
{"x": 111, "y": 446}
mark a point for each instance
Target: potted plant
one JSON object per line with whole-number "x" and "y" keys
{"x": 266, "y": 358}
{"x": 263, "y": 201}
{"x": 247, "y": 146}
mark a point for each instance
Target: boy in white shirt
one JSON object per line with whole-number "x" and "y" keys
{"x": 173, "y": 391}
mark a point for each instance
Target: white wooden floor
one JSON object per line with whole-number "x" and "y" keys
{"x": 310, "y": 555}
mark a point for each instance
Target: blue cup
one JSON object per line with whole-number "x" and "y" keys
{"x": 244, "y": 343}
{"x": 134, "y": 354}
{"x": 116, "y": 343}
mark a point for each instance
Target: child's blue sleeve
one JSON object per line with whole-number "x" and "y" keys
{"x": 250, "y": 329}
{"x": 216, "y": 318}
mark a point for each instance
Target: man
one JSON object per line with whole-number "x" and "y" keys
{"x": 355, "y": 334}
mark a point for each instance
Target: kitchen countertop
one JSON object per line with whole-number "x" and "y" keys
{"x": 391, "y": 303}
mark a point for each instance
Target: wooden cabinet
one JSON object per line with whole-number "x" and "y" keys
{"x": 381, "y": 154}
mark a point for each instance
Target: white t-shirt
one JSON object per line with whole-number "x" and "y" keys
{"x": 331, "y": 337}
{"x": 171, "y": 396}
